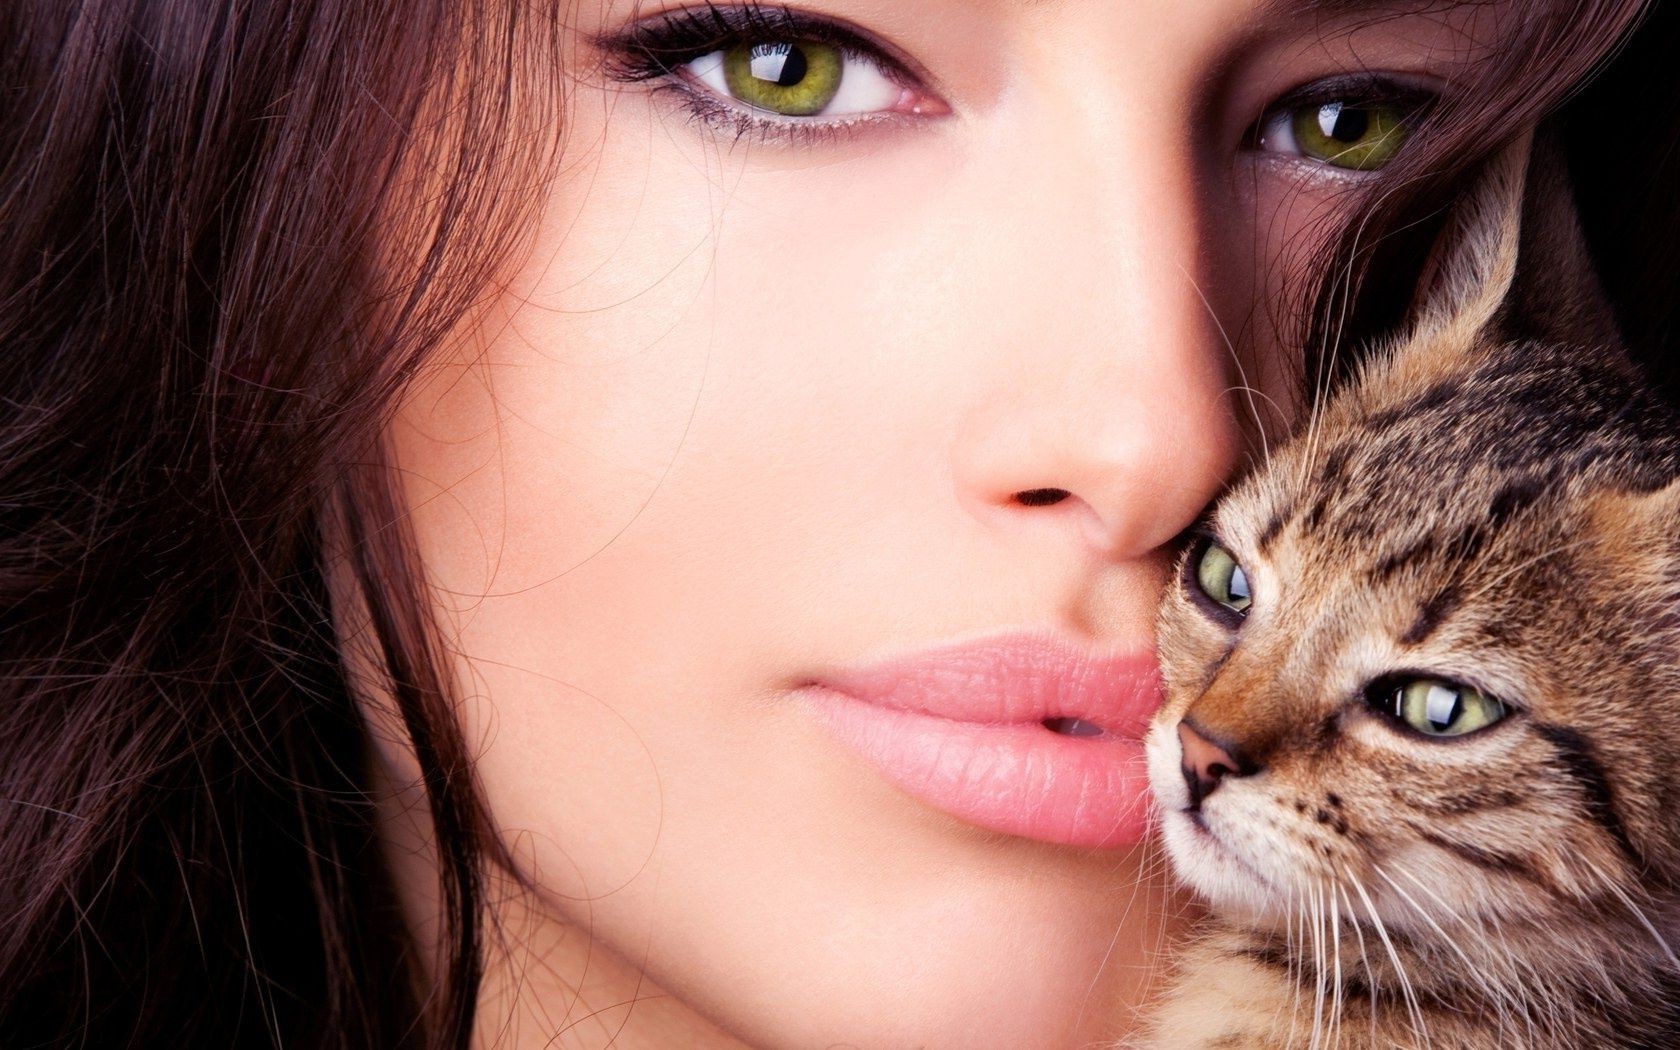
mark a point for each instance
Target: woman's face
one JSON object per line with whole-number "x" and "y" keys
{"x": 808, "y": 726}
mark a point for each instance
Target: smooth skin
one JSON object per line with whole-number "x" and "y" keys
{"x": 754, "y": 408}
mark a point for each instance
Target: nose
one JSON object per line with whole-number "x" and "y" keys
{"x": 1102, "y": 378}
{"x": 1206, "y": 763}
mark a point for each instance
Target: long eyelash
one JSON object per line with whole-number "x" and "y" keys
{"x": 1359, "y": 88}
{"x": 658, "y": 48}
{"x": 663, "y": 44}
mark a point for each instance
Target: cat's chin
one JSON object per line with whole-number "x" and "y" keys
{"x": 1229, "y": 886}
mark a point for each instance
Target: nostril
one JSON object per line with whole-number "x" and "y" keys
{"x": 1041, "y": 497}
{"x": 1205, "y": 764}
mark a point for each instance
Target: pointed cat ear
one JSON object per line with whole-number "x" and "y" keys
{"x": 1557, "y": 296}
{"x": 1469, "y": 273}
{"x": 1512, "y": 258}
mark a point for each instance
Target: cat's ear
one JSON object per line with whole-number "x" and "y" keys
{"x": 1470, "y": 271}
{"x": 1512, "y": 260}
{"x": 1556, "y": 296}
{"x": 1635, "y": 533}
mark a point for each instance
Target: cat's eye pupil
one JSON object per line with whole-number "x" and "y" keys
{"x": 1238, "y": 586}
{"x": 1219, "y": 577}
{"x": 1442, "y": 706}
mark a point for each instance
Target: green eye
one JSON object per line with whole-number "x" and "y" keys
{"x": 1222, "y": 579}
{"x": 795, "y": 78}
{"x": 1437, "y": 707}
{"x": 1360, "y": 137}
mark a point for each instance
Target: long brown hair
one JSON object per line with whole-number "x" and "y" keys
{"x": 231, "y": 232}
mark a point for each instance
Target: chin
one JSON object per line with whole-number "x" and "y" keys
{"x": 1008, "y": 960}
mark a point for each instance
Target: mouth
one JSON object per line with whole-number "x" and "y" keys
{"x": 1026, "y": 735}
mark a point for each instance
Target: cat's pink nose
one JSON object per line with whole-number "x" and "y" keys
{"x": 1205, "y": 763}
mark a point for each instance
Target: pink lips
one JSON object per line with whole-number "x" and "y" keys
{"x": 1022, "y": 734}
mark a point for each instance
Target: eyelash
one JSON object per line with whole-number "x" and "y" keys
{"x": 656, "y": 50}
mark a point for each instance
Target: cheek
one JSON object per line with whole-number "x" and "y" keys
{"x": 676, "y": 470}
{"x": 1271, "y": 229}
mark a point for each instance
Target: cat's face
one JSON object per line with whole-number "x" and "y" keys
{"x": 1425, "y": 655}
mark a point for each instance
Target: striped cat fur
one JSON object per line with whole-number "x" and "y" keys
{"x": 1492, "y": 501}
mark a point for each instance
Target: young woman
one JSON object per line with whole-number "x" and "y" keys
{"x": 639, "y": 523}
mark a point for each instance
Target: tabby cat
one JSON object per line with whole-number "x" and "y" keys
{"x": 1421, "y": 748}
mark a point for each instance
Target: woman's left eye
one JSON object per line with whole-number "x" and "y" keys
{"x": 1354, "y": 128}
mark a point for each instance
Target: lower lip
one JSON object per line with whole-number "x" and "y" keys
{"x": 1016, "y": 778}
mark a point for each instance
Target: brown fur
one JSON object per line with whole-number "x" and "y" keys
{"x": 1494, "y": 500}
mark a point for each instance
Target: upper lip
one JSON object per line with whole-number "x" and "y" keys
{"x": 1014, "y": 679}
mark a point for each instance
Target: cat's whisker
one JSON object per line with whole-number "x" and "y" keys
{"x": 1639, "y": 915}
{"x": 1364, "y": 957}
{"x": 1293, "y": 958}
{"x": 1317, "y": 966}
{"x": 1504, "y": 1000}
{"x": 1519, "y": 974}
{"x": 1414, "y": 1010}
{"x": 1336, "y": 957}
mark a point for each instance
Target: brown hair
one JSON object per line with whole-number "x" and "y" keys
{"x": 1579, "y": 70}
{"x": 232, "y": 232}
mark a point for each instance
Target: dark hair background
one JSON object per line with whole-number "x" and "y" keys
{"x": 229, "y": 233}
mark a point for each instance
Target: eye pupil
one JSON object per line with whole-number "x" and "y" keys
{"x": 1442, "y": 706}
{"x": 1218, "y": 576}
{"x": 1238, "y": 586}
{"x": 1343, "y": 123}
{"x": 1356, "y": 135}
{"x": 781, "y": 64}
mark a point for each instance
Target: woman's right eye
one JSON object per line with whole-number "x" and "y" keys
{"x": 770, "y": 70}
{"x": 796, "y": 78}
{"x": 1354, "y": 127}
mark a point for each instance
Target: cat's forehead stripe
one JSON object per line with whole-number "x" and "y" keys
{"x": 1433, "y": 614}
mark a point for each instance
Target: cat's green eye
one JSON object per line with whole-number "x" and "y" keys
{"x": 1361, "y": 137}
{"x": 1222, "y": 579}
{"x": 1438, "y": 707}
{"x": 795, "y": 78}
